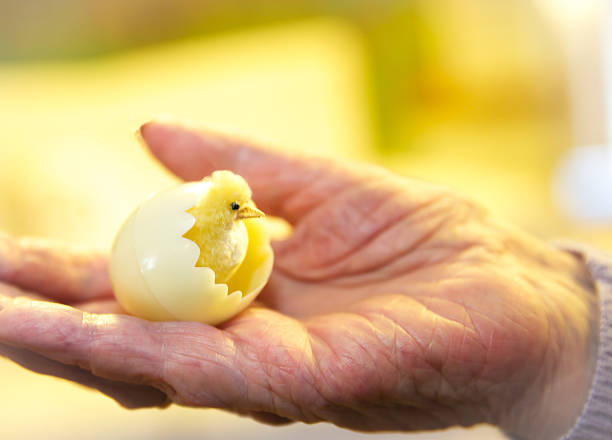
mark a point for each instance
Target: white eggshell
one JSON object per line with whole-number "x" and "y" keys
{"x": 153, "y": 270}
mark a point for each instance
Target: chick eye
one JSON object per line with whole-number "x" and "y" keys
{"x": 235, "y": 206}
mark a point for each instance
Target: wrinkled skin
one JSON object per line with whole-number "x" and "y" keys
{"x": 394, "y": 305}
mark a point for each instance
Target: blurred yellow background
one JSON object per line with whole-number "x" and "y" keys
{"x": 473, "y": 94}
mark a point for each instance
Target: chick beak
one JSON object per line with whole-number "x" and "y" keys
{"x": 248, "y": 211}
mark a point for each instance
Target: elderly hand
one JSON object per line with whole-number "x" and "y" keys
{"x": 394, "y": 305}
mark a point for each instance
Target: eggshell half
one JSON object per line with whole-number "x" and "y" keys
{"x": 153, "y": 270}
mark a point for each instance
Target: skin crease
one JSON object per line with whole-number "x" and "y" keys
{"x": 394, "y": 305}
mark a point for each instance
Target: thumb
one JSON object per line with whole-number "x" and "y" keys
{"x": 283, "y": 185}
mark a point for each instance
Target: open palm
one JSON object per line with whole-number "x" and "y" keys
{"x": 394, "y": 304}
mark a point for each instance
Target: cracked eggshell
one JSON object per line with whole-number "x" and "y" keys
{"x": 152, "y": 266}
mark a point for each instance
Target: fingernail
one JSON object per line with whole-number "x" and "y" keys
{"x": 138, "y": 135}
{"x": 161, "y": 118}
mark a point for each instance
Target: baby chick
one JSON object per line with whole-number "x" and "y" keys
{"x": 219, "y": 230}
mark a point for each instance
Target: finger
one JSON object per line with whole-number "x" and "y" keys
{"x": 53, "y": 269}
{"x": 127, "y": 395}
{"x": 283, "y": 185}
{"x": 242, "y": 370}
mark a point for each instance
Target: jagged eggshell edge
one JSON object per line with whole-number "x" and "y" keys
{"x": 153, "y": 266}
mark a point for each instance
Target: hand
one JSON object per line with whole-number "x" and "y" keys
{"x": 394, "y": 305}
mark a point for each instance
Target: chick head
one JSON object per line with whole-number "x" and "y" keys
{"x": 230, "y": 196}
{"x": 218, "y": 230}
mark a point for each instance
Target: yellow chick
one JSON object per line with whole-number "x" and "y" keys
{"x": 219, "y": 229}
